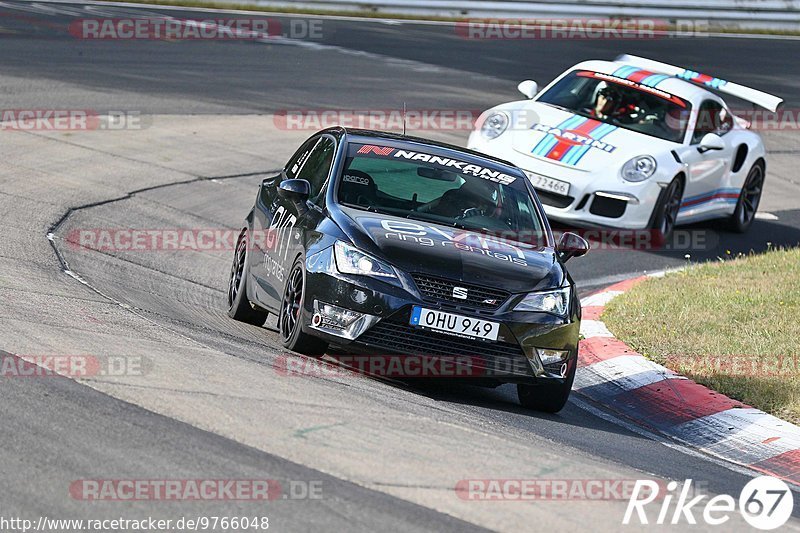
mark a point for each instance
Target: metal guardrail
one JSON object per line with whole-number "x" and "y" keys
{"x": 728, "y": 14}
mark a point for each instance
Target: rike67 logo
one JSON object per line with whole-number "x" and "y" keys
{"x": 765, "y": 503}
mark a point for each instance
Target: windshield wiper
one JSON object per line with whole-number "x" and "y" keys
{"x": 362, "y": 207}
{"x": 454, "y": 223}
{"x": 583, "y": 114}
{"x": 561, "y": 107}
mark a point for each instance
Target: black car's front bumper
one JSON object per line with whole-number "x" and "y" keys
{"x": 513, "y": 358}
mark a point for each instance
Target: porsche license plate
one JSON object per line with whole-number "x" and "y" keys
{"x": 548, "y": 184}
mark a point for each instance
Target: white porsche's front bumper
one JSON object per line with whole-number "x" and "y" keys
{"x": 598, "y": 198}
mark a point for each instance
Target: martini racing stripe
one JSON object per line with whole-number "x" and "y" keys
{"x": 563, "y": 146}
{"x": 705, "y": 79}
{"x": 624, "y": 72}
{"x": 640, "y": 75}
{"x": 654, "y": 79}
{"x": 727, "y": 195}
{"x": 645, "y": 77}
{"x": 549, "y": 141}
{"x": 576, "y": 153}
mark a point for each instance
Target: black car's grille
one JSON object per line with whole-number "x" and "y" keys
{"x": 441, "y": 291}
{"x": 394, "y": 334}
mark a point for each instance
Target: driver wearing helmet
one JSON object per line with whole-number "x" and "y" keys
{"x": 606, "y": 103}
{"x": 475, "y": 197}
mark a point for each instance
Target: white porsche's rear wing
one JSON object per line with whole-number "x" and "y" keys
{"x": 759, "y": 98}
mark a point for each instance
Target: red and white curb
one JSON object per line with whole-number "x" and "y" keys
{"x": 638, "y": 390}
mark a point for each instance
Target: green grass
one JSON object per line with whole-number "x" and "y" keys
{"x": 733, "y": 326}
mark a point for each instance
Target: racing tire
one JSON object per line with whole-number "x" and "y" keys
{"x": 749, "y": 198}
{"x": 291, "y": 313}
{"x": 239, "y": 307}
{"x": 666, "y": 211}
{"x": 546, "y": 397}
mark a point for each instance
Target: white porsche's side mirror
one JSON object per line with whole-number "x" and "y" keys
{"x": 529, "y": 88}
{"x": 711, "y": 141}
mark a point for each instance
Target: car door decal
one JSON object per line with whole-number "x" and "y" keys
{"x": 277, "y": 247}
{"x": 726, "y": 195}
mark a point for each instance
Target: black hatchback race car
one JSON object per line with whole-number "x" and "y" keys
{"x": 393, "y": 246}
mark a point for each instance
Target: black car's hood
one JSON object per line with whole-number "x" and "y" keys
{"x": 426, "y": 247}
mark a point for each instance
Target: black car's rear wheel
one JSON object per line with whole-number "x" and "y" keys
{"x": 749, "y": 198}
{"x": 291, "y": 314}
{"x": 546, "y": 397}
{"x": 239, "y": 307}
{"x": 665, "y": 215}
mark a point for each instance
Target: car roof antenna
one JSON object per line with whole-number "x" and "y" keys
{"x": 404, "y": 119}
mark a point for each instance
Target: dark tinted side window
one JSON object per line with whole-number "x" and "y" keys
{"x": 317, "y": 165}
{"x": 711, "y": 118}
{"x": 299, "y": 158}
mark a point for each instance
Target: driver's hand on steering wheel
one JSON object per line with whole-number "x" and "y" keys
{"x": 470, "y": 212}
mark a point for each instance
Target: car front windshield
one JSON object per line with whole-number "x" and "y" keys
{"x": 428, "y": 186}
{"x": 621, "y": 102}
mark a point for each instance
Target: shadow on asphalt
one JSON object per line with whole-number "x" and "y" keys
{"x": 762, "y": 235}
{"x": 703, "y": 241}
{"x": 504, "y": 399}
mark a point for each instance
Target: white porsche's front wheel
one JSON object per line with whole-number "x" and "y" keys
{"x": 666, "y": 211}
{"x": 749, "y": 198}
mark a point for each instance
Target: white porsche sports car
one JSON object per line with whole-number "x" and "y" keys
{"x": 634, "y": 144}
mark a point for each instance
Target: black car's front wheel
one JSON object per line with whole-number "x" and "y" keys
{"x": 239, "y": 307}
{"x": 546, "y": 397}
{"x": 291, "y": 314}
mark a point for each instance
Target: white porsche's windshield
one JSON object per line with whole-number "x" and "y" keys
{"x": 621, "y": 102}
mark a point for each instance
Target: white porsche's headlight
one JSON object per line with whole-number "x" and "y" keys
{"x": 494, "y": 125}
{"x": 351, "y": 260}
{"x": 555, "y": 302}
{"x": 639, "y": 168}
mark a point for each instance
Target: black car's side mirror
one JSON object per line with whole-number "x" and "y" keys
{"x": 295, "y": 190}
{"x": 571, "y": 245}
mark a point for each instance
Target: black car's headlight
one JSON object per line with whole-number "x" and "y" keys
{"x": 555, "y": 302}
{"x": 351, "y": 260}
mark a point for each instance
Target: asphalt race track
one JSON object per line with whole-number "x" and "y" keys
{"x": 212, "y": 402}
